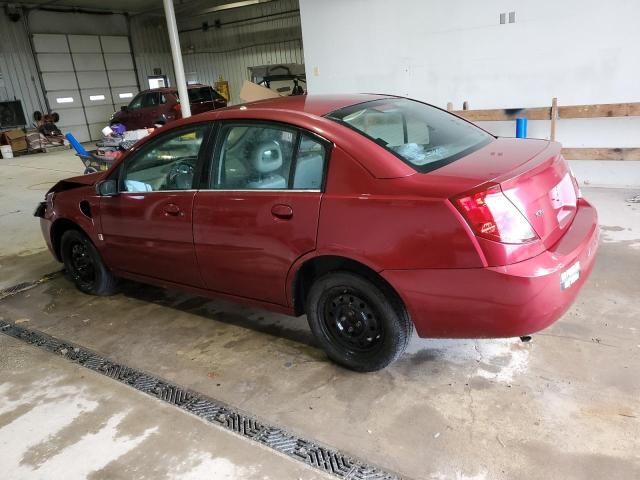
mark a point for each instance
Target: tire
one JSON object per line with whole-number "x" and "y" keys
{"x": 84, "y": 266}
{"x": 359, "y": 325}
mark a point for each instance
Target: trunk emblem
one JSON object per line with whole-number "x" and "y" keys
{"x": 539, "y": 213}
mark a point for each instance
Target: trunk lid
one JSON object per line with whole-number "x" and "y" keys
{"x": 543, "y": 190}
{"x": 532, "y": 174}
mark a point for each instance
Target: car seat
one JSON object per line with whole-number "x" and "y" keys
{"x": 265, "y": 161}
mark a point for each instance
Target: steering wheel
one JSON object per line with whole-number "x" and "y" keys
{"x": 180, "y": 176}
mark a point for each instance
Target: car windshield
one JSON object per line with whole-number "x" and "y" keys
{"x": 423, "y": 136}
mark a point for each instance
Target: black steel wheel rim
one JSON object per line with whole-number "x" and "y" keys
{"x": 351, "y": 322}
{"x": 81, "y": 265}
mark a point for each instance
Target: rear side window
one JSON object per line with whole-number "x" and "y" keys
{"x": 309, "y": 165}
{"x": 268, "y": 157}
{"x": 423, "y": 136}
{"x": 151, "y": 99}
{"x": 255, "y": 157}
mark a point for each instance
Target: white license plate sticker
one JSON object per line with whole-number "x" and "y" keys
{"x": 570, "y": 276}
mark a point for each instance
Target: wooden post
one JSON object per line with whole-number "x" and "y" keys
{"x": 465, "y": 105}
{"x": 450, "y": 106}
{"x": 554, "y": 118}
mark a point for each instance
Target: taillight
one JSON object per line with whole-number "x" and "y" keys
{"x": 576, "y": 185}
{"x": 491, "y": 215}
{"x": 177, "y": 109}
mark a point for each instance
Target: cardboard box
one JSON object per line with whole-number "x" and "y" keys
{"x": 250, "y": 92}
{"x": 17, "y": 139}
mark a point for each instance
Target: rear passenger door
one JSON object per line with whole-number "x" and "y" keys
{"x": 258, "y": 209}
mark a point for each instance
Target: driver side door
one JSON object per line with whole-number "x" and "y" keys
{"x": 146, "y": 226}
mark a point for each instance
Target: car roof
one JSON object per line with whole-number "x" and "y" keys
{"x": 319, "y": 105}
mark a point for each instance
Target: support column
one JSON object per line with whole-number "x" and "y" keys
{"x": 176, "y": 53}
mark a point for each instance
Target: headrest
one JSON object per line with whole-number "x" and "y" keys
{"x": 267, "y": 157}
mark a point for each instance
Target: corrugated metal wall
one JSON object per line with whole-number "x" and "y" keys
{"x": 151, "y": 47}
{"x": 231, "y": 49}
{"x": 19, "y": 73}
{"x": 267, "y": 34}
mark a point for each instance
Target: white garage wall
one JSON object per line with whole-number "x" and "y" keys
{"x": 581, "y": 51}
{"x": 444, "y": 51}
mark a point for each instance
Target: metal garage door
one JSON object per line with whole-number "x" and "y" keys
{"x": 86, "y": 78}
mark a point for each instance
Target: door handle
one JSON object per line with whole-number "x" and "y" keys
{"x": 285, "y": 212}
{"x": 172, "y": 209}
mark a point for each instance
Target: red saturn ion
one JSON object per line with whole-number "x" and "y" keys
{"x": 370, "y": 214}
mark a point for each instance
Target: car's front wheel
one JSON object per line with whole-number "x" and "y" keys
{"x": 84, "y": 265}
{"x": 358, "y": 324}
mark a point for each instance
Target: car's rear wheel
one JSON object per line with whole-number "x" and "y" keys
{"x": 84, "y": 265}
{"x": 358, "y": 324}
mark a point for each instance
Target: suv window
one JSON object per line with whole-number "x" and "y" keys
{"x": 136, "y": 102}
{"x": 151, "y": 99}
{"x": 197, "y": 95}
{"x": 202, "y": 94}
{"x": 166, "y": 164}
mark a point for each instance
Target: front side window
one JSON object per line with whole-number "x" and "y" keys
{"x": 254, "y": 157}
{"x": 421, "y": 135}
{"x": 168, "y": 163}
{"x": 136, "y": 102}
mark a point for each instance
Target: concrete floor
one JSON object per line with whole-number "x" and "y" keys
{"x": 564, "y": 406}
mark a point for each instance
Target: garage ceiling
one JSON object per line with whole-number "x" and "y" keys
{"x": 183, "y": 7}
{"x": 101, "y": 5}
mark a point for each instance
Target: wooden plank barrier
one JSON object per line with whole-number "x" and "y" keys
{"x": 554, "y": 113}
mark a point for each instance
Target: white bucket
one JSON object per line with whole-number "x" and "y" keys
{"x": 6, "y": 151}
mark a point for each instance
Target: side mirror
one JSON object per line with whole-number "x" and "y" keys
{"x": 107, "y": 188}
{"x": 124, "y": 108}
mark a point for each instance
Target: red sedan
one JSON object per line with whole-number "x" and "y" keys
{"x": 371, "y": 214}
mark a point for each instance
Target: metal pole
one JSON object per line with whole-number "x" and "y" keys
{"x": 178, "y": 67}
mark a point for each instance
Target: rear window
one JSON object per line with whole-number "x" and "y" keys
{"x": 202, "y": 94}
{"x": 423, "y": 136}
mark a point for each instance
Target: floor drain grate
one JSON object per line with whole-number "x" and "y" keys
{"x": 21, "y": 287}
{"x": 319, "y": 457}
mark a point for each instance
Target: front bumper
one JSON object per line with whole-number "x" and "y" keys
{"x": 507, "y": 301}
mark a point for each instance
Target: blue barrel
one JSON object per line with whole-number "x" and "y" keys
{"x": 521, "y": 127}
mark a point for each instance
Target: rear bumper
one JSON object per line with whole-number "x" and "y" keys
{"x": 507, "y": 301}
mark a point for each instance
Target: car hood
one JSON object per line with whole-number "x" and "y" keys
{"x": 76, "y": 182}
